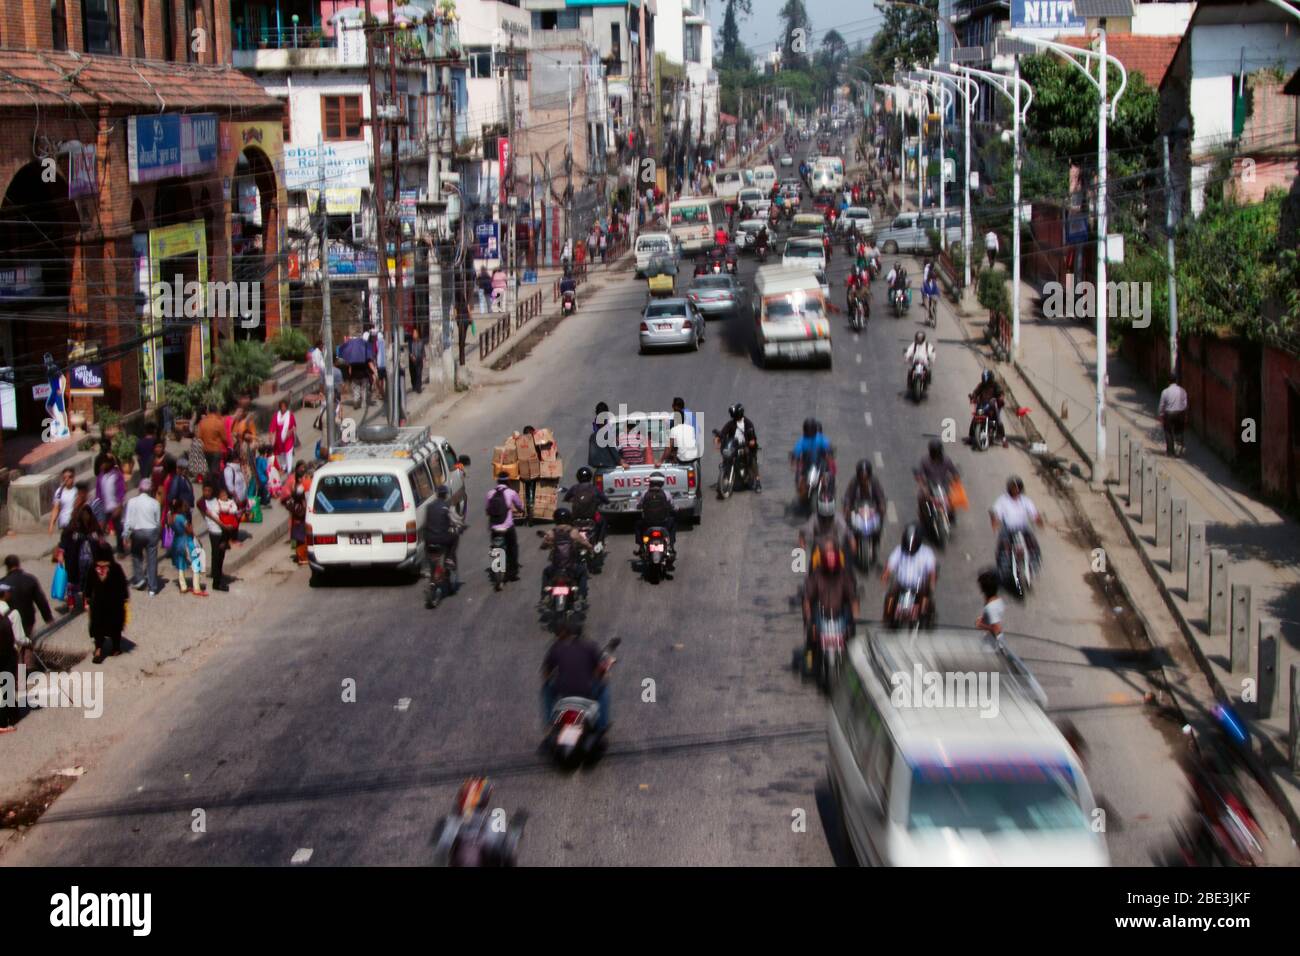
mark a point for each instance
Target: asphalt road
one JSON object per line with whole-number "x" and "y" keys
{"x": 709, "y": 765}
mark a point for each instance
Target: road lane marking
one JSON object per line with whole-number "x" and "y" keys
{"x": 867, "y": 415}
{"x": 890, "y": 514}
{"x": 862, "y": 386}
{"x": 301, "y": 855}
{"x": 402, "y": 703}
{"x": 858, "y": 358}
{"x": 879, "y": 459}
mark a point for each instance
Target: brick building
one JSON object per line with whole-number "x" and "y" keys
{"x": 130, "y": 152}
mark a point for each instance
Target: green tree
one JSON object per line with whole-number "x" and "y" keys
{"x": 734, "y": 54}
{"x": 834, "y": 51}
{"x": 906, "y": 36}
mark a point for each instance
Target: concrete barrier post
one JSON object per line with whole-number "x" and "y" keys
{"x": 1148, "y": 488}
{"x": 1178, "y": 535}
{"x": 1125, "y": 438}
{"x": 1239, "y": 628}
{"x": 1266, "y": 668}
{"x": 1217, "y": 614}
{"x": 1196, "y": 563}
{"x": 1163, "y": 488}
{"x": 1135, "y": 477}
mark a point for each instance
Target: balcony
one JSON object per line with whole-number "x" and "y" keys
{"x": 309, "y": 48}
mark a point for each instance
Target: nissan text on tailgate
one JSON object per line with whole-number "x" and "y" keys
{"x": 645, "y": 436}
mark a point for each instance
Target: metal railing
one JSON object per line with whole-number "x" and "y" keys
{"x": 282, "y": 38}
{"x": 501, "y": 330}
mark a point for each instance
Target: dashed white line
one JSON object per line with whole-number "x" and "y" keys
{"x": 867, "y": 416}
{"x": 301, "y": 855}
{"x": 858, "y": 358}
{"x": 890, "y": 514}
{"x": 402, "y": 703}
{"x": 862, "y": 387}
{"x": 879, "y": 459}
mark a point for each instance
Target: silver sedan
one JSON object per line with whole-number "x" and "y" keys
{"x": 717, "y": 295}
{"x": 671, "y": 323}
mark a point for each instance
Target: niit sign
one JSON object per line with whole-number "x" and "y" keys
{"x": 1046, "y": 17}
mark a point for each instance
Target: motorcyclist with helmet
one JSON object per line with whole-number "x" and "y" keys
{"x": 855, "y": 287}
{"x": 467, "y": 837}
{"x": 568, "y": 283}
{"x": 911, "y": 565}
{"x": 831, "y": 589}
{"x": 702, "y": 264}
{"x": 575, "y": 667}
{"x": 584, "y": 500}
{"x": 813, "y": 446}
{"x": 564, "y": 541}
{"x": 760, "y": 239}
{"x": 865, "y": 489}
{"x": 442, "y": 529}
{"x": 988, "y": 399}
{"x": 1014, "y": 512}
{"x": 741, "y": 429}
{"x": 720, "y": 236}
{"x": 936, "y": 470}
{"x": 920, "y": 351}
{"x": 657, "y": 511}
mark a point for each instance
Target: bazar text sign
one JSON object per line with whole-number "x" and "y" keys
{"x": 163, "y": 145}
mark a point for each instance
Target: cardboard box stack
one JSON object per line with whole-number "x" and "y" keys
{"x": 532, "y": 458}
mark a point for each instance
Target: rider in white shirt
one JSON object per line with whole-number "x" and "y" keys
{"x": 920, "y": 349}
{"x": 1014, "y": 512}
{"x": 912, "y": 565}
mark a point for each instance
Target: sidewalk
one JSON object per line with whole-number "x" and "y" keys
{"x": 1057, "y": 362}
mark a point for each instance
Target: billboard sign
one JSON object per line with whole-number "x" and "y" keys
{"x": 163, "y": 145}
{"x": 346, "y": 165}
{"x": 1046, "y": 18}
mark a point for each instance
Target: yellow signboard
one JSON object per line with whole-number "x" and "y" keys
{"x": 170, "y": 242}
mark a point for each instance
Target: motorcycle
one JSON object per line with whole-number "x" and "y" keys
{"x": 1016, "y": 563}
{"x": 910, "y": 611}
{"x": 656, "y": 554}
{"x": 761, "y": 252}
{"x": 439, "y": 576}
{"x": 814, "y": 475}
{"x": 934, "y": 515}
{"x": 731, "y": 265}
{"x": 981, "y": 427}
{"x": 593, "y": 531}
{"x": 569, "y": 302}
{"x": 865, "y": 523}
{"x": 572, "y": 736}
{"x": 560, "y": 600}
{"x": 497, "y": 559}
{"x": 858, "y": 311}
{"x": 734, "y": 470}
{"x": 918, "y": 380}
{"x": 830, "y": 633}
{"x": 900, "y": 300}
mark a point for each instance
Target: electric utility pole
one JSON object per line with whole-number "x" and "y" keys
{"x": 326, "y": 327}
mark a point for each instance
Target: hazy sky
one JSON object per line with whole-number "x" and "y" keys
{"x": 855, "y": 19}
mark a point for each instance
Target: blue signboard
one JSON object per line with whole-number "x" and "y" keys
{"x": 1050, "y": 16}
{"x": 487, "y": 235}
{"x": 162, "y": 145}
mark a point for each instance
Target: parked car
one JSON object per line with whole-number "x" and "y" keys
{"x": 715, "y": 295}
{"x": 671, "y": 323}
{"x": 907, "y": 233}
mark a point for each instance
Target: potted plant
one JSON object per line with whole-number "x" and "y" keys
{"x": 181, "y": 398}
{"x": 109, "y": 421}
{"x": 124, "y": 452}
{"x": 241, "y": 368}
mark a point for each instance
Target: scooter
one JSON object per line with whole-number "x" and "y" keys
{"x": 593, "y": 531}
{"x": 656, "y": 554}
{"x": 830, "y": 632}
{"x": 900, "y": 299}
{"x": 865, "y": 522}
{"x": 560, "y": 600}
{"x": 910, "y": 611}
{"x": 858, "y": 311}
{"x": 981, "y": 427}
{"x": 734, "y": 470}
{"x": 572, "y": 736}
{"x": 761, "y": 253}
{"x": 569, "y": 302}
{"x": 918, "y": 380}
{"x": 439, "y": 576}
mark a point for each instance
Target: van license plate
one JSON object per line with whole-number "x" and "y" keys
{"x": 358, "y": 539}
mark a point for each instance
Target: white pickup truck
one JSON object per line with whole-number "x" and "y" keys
{"x": 625, "y": 484}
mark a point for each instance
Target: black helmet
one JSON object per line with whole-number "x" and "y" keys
{"x": 563, "y": 516}
{"x": 986, "y": 377}
{"x": 936, "y": 449}
{"x": 810, "y": 428}
{"x": 1015, "y": 486}
{"x": 864, "y": 469}
{"x": 736, "y": 411}
{"x": 657, "y": 479}
{"x": 920, "y": 338}
{"x": 584, "y": 474}
{"x": 912, "y": 539}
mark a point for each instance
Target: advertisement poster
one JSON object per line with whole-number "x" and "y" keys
{"x": 163, "y": 145}
{"x": 180, "y": 249}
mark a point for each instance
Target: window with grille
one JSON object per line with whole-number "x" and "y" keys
{"x": 341, "y": 117}
{"x": 99, "y": 26}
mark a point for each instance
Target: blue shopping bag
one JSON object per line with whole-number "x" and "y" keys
{"x": 59, "y": 588}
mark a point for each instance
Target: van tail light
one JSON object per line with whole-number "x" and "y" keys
{"x": 393, "y": 537}
{"x": 315, "y": 539}
{"x": 410, "y": 532}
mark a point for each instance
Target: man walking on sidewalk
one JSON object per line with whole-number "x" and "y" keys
{"x": 415, "y": 352}
{"x": 1173, "y": 416}
{"x": 991, "y": 246}
{"x": 143, "y": 527}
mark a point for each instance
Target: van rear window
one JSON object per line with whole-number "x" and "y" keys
{"x": 358, "y": 494}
